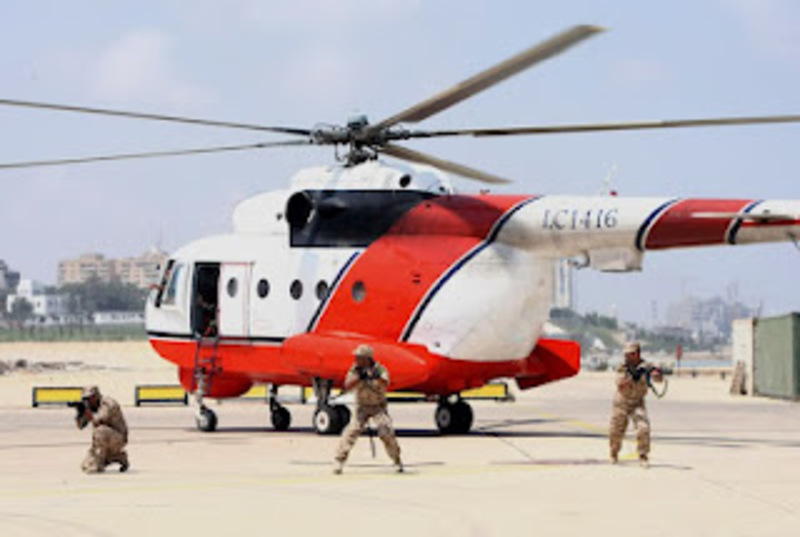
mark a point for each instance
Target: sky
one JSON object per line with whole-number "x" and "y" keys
{"x": 305, "y": 62}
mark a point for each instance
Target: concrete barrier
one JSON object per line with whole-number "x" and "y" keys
{"x": 55, "y": 395}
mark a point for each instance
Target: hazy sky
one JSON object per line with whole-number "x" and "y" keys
{"x": 308, "y": 61}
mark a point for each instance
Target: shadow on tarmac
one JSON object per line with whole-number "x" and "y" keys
{"x": 589, "y": 462}
{"x": 386, "y": 464}
{"x": 491, "y": 430}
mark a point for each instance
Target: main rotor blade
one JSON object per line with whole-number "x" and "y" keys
{"x": 155, "y": 117}
{"x": 597, "y": 127}
{"x": 491, "y": 76}
{"x": 404, "y": 153}
{"x": 154, "y": 154}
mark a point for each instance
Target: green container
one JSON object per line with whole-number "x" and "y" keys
{"x": 777, "y": 357}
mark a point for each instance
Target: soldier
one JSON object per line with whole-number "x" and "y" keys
{"x": 370, "y": 380}
{"x": 632, "y": 381}
{"x": 110, "y": 432}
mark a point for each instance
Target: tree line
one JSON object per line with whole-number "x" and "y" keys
{"x": 82, "y": 300}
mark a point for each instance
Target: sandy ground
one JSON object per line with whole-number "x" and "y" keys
{"x": 115, "y": 366}
{"x": 721, "y": 466}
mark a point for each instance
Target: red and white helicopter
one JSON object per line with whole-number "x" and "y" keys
{"x": 451, "y": 290}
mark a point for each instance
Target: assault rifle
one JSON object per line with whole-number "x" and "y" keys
{"x": 80, "y": 412}
{"x": 647, "y": 371}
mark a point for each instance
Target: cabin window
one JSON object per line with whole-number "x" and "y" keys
{"x": 262, "y": 288}
{"x": 359, "y": 291}
{"x": 171, "y": 292}
{"x": 232, "y": 287}
{"x": 322, "y": 290}
{"x": 296, "y": 289}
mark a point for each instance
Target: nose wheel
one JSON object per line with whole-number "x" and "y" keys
{"x": 281, "y": 418}
{"x": 279, "y": 415}
{"x": 206, "y": 419}
{"x": 453, "y": 418}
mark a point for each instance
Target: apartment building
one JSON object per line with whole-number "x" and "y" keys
{"x": 141, "y": 271}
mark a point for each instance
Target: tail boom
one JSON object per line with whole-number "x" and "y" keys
{"x": 566, "y": 226}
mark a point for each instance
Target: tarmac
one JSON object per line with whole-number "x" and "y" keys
{"x": 721, "y": 465}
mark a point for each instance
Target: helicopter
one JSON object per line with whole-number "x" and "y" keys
{"x": 451, "y": 290}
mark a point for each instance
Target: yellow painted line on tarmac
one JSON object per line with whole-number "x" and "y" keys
{"x": 578, "y": 424}
{"x": 589, "y": 427}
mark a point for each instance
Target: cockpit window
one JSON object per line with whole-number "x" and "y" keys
{"x": 170, "y": 293}
{"x": 162, "y": 284}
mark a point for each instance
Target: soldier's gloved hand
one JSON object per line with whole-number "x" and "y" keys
{"x": 372, "y": 374}
{"x": 657, "y": 375}
{"x": 363, "y": 374}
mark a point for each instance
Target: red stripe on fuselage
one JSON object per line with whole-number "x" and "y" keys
{"x": 678, "y": 227}
{"x": 261, "y": 363}
{"x": 398, "y": 269}
{"x": 549, "y": 361}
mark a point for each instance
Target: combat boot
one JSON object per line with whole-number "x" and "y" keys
{"x": 123, "y": 462}
{"x": 338, "y": 466}
{"x": 644, "y": 462}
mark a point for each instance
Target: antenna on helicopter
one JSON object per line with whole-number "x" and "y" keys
{"x": 607, "y": 189}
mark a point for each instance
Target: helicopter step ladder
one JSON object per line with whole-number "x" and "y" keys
{"x": 205, "y": 366}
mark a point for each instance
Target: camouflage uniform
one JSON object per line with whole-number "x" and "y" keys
{"x": 370, "y": 404}
{"x": 629, "y": 404}
{"x": 109, "y": 438}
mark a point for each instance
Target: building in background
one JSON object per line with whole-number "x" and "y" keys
{"x": 564, "y": 288}
{"x": 140, "y": 271}
{"x": 117, "y": 318}
{"x": 47, "y": 308}
{"x": 706, "y": 319}
{"x": 8, "y": 278}
{"x": 84, "y": 268}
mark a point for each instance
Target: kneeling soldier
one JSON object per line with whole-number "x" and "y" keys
{"x": 110, "y": 434}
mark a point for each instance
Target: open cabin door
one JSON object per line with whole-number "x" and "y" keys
{"x": 204, "y": 300}
{"x": 234, "y": 303}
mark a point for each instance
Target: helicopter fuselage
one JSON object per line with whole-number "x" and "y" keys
{"x": 451, "y": 290}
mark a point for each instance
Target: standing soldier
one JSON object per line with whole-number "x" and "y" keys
{"x": 633, "y": 381}
{"x": 370, "y": 380}
{"x": 110, "y": 434}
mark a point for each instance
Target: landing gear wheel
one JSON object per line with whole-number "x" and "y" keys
{"x": 281, "y": 419}
{"x": 445, "y": 418}
{"x": 327, "y": 420}
{"x": 206, "y": 420}
{"x": 464, "y": 417}
{"x": 455, "y": 418}
{"x": 344, "y": 415}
